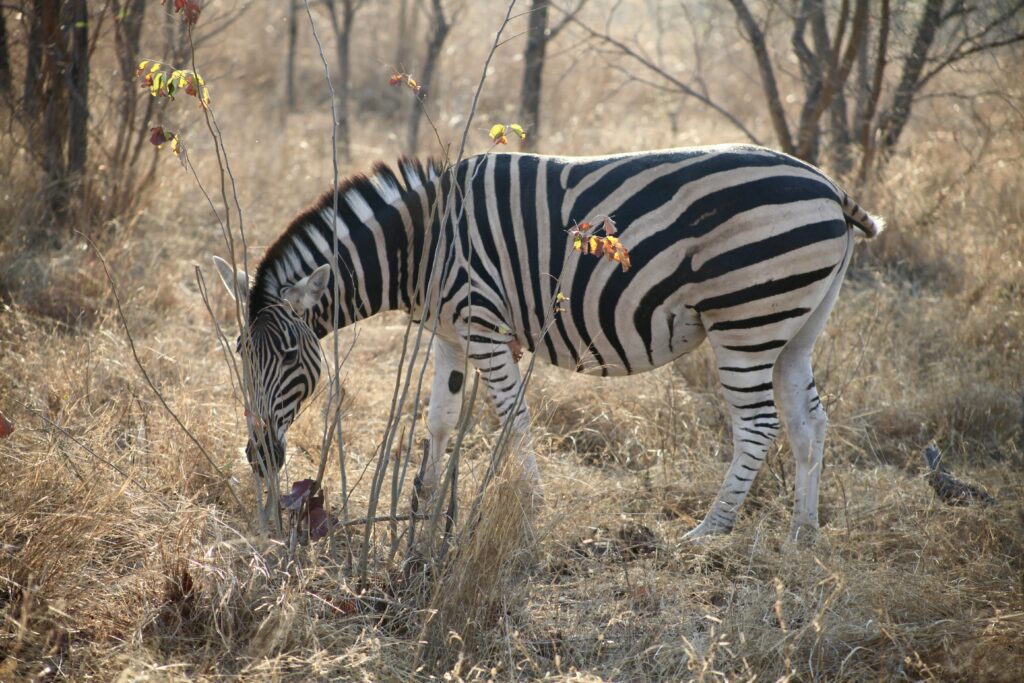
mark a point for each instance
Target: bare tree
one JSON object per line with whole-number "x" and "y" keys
{"x": 440, "y": 26}
{"x": 54, "y": 107}
{"x": 824, "y": 74}
{"x": 408, "y": 19}
{"x": 78, "y": 89}
{"x": 846, "y": 58}
{"x": 537, "y": 38}
{"x": 944, "y": 33}
{"x": 289, "y": 78}
{"x": 342, "y": 25}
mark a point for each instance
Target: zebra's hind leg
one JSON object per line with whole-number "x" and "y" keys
{"x": 805, "y": 417}
{"x": 747, "y": 385}
{"x": 806, "y": 423}
{"x": 500, "y": 374}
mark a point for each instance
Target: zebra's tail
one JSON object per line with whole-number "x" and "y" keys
{"x": 857, "y": 217}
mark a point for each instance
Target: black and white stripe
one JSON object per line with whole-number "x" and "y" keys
{"x": 741, "y": 245}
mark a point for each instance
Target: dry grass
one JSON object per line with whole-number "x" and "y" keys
{"x": 125, "y": 557}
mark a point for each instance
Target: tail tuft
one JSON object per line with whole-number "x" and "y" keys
{"x": 868, "y": 224}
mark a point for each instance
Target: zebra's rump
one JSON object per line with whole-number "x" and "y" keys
{"x": 722, "y": 239}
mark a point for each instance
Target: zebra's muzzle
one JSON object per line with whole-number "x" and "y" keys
{"x": 265, "y": 455}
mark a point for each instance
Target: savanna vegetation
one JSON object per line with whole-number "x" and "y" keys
{"x": 130, "y": 547}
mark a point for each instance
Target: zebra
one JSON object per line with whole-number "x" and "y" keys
{"x": 740, "y": 245}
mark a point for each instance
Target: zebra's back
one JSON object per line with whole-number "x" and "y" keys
{"x": 722, "y": 239}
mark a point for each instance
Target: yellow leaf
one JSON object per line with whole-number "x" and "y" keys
{"x": 594, "y": 242}
{"x": 155, "y": 67}
{"x": 577, "y": 242}
{"x": 497, "y": 131}
{"x": 143, "y": 64}
{"x": 518, "y": 130}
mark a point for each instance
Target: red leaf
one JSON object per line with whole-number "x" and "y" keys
{"x": 317, "y": 522}
{"x": 158, "y": 136}
{"x": 192, "y": 10}
{"x": 300, "y": 491}
{"x": 6, "y": 427}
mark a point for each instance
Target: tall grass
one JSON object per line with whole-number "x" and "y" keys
{"x": 124, "y": 553}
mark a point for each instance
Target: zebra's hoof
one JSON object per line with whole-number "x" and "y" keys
{"x": 803, "y": 534}
{"x": 704, "y": 530}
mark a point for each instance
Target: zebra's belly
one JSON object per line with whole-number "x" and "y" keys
{"x": 666, "y": 333}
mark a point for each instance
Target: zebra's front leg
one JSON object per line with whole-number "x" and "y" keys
{"x": 442, "y": 414}
{"x": 747, "y": 386}
{"x": 500, "y": 373}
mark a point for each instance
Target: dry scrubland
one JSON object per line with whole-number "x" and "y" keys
{"x": 124, "y": 555}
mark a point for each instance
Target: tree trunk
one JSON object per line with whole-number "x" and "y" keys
{"x": 838, "y": 126}
{"x": 78, "y": 90}
{"x": 5, "y": 59}
{"x": 289, "y": 78}
{"x": 32, "y": 92}
{"x": 127, "y": 33}
{"x": 437, "y": 38}
{"x": 533, "y": 71}
{"x": 873, "y": 92}
{"x": 53, "y": 98}
{"x": 895, "y": 117}
{"x": 764, "y": 65}
{"x": 342, "y": 40}
{"x": 344, "y": 43}
{"x": 407, "y": 20}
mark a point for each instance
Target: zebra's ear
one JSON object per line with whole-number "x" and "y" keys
{"x": 235, "y": 281}
{"x": 306, "y": 293}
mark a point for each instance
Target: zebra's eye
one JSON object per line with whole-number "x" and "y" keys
{"x": 291, "y": 357}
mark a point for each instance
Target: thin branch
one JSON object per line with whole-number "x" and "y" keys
{"x": 149, "y": 381}
{"x": 681, "y": 86}
{"x": 764, "y": 65}
{"x": 570, "y": 16}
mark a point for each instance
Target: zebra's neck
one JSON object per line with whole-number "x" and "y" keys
{"x": 375, "y": 230}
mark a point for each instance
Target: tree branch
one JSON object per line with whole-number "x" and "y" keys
{"x": 764, "y": 65}
{"x": 679, "y": 85}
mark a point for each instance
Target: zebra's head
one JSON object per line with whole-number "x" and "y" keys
{"x": 284, "y": 356}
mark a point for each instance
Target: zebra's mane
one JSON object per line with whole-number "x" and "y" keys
{"x": 356, "y": 191}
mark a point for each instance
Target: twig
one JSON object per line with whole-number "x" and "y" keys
{"x": 382, "y": 518}
{"x": 682, "y": 87}
{"x": 81, "y": 445}
{"x": 149, "y": 381}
